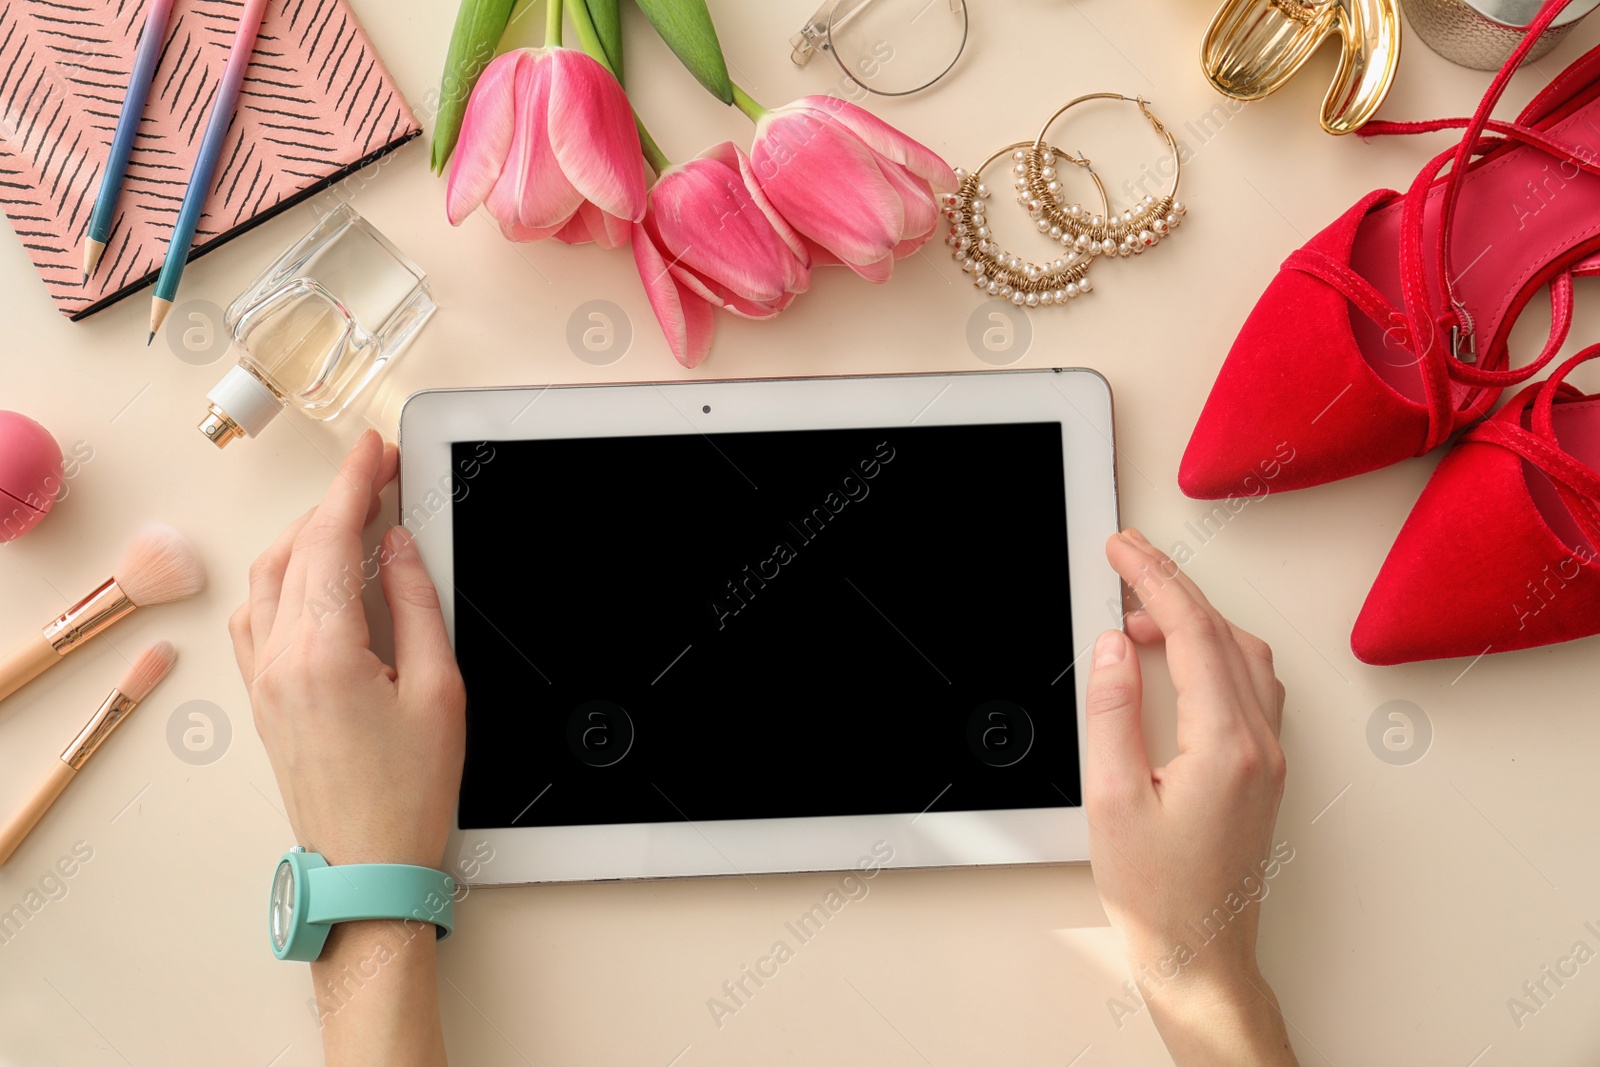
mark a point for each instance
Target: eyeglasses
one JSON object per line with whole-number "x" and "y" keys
{"x": 887, "y": 47}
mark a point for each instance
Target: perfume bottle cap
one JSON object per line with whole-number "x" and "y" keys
{"x": 241, "y": 406}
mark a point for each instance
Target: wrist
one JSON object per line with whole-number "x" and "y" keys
{"x": 1223, "y": 1019}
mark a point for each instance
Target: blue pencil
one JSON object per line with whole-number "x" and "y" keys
{"x": 205, "y": 164}
{"x": 144, "y": 70}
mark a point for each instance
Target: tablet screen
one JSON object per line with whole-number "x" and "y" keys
{"x": 764, "y": 625}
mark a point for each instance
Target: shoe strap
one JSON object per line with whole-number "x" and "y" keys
{"x": 1577, "y": 484}
{"x": 1423, "y": 325}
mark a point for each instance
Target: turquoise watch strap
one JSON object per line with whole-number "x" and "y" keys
{"x": 381, "y": 891}
{"x": 309, "y": 896}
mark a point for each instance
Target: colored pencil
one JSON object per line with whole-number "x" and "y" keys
{"x": 205, "y": 164}
{"x": 144, "y": 70}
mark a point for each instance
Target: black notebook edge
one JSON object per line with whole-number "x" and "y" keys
{"x": 281, "y": 206}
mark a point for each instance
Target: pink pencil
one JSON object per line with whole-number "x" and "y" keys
{"x": 205, "y": 164}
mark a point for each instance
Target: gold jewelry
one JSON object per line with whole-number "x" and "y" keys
{"x": 1127, "y": 233}
{"x": 993, "y": 269}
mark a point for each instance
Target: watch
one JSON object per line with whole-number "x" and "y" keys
{"x": 309, "y": 896}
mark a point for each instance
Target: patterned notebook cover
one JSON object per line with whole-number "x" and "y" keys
{"x": 316, "y": 105}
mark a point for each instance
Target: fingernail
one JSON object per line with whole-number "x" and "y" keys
{"x": 1138, "y": 538}
{"x": 1111, "y": 648}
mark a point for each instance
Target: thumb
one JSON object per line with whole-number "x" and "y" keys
{"x": 421, "y": 646}
{"x": 1117, "y": 767}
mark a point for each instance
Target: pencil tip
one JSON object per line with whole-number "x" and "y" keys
{"x": 149, "y": 339}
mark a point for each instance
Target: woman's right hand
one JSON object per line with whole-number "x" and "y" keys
{"x": 1182, "y": 853}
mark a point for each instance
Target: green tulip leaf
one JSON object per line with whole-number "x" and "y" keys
{"x": 607, "y": 18}
{"x": 473, "y": 45}
{"x": 687, "y": 28}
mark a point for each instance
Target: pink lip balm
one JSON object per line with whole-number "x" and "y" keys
{"x": 30, "y": 474}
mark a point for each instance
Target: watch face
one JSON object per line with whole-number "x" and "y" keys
{"x": 282, "y": 905}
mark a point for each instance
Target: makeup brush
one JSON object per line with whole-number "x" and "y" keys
{"x": 160, "y": 565}
{"x": 143, "y": 677}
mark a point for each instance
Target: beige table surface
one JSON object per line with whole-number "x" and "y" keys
{"x": 1420, "y": 897}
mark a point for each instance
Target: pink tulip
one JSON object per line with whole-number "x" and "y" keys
{"x": 858, "y": 190}
{"x": 710, "y": 240}
{"x": 548, "y": 142}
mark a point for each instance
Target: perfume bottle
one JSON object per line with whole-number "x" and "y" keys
{"x": 317, "y": 327}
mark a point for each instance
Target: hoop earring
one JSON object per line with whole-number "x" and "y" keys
{"x": 1128, "y": 233}
{"x": 993, "y": 269}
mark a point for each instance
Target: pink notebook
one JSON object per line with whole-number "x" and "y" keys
{"x": 317, "y": 105}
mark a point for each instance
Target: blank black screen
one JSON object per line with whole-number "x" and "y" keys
{"x": 764, "y": 625}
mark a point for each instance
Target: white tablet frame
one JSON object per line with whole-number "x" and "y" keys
{"x": 1079, "y": 399}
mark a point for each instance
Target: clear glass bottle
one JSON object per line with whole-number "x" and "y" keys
{"x": 317, "y": 327}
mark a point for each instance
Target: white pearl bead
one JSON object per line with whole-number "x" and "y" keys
{"x": 1061, "y": 295}
{"x": 1018, "y": 168}
{"x": 1018, "y": 299}
{"x": 1108, "y": 246}
{"x": 1160, "y": 226}
{"x": 1048, "y": 156}
{"x": 1055, "y": 233}
{"x": 1071, "y": 258}
{"x": 1075, "y": 210}
{"x": 1178, "y": 209}
{"x": 1054, "y": 187}
{"x": 1005, "y": 291}
{"x": 1139, "y": 208}
{"x": 993, "y": 287}
{"x": 1019, "y": 155}
{"x": 1146, "y": 238}
{"x": 1083, "y": 242}
{"x": 1083, "y": 286}
{"x": 980, "y": 219}
{"x": 1032, "y": 300}
{"x": 1045, "y": 299}
{"x": 983, "y": 191}
{"x": 1047, "y": 172}
{"x": 1073, "y": 288}
{"x": 960, "y": 172}
{"x": 1043, "y": 225}
{"x": 1172, "y": 220}
{"x": 984, "y": 231}
{"x": 1097, "y": 221}
{"x": 1149, "y": 199}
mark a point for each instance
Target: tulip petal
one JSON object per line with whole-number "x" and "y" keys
{"x": 883, "y": 139}
{"x": 592, "y": 134}
{"x": 485, "y": 138}
{"x": 916, "y": 198}
{"x": 532, "y": 189}
{"x": 576, "y": 231}
{"x": 516, "y": 231}
{"x": 702, "y": 212}
{"x": 688, "y": 321}
{"x": 829, "y": 186}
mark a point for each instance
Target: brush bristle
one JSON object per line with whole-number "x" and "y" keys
{"x": 160, "y": 566}
{"x": 147, "y": 673}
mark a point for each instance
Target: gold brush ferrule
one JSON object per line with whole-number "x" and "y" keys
{"x": 110, "y": 715}
{"x": 88, "y": 617}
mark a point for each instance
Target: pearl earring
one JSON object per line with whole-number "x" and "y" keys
{"x": 996, "y": 271}
{"x": 1124, "y": 233}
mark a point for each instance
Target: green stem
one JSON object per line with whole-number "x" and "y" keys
{"x": 652, "y": 152}
{"x": 746, "y": 103}
{"x": 552, "y": 24}
{"x": 588, "y": 36}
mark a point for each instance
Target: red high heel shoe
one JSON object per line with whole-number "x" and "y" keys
{"x": 1387, "y": 331}
{"x": 1526, "y": 482}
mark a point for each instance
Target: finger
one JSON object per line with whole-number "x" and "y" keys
{"x": 323, "y": 580}
{"x": 1138, "y": 625}
{"x": 388, "y": 467}
{"x": 422, "y": 654}
{"x": 1257, "y": 656}
{"x": 1117, "y": 768}
{"x": 244, "y": 651}
{"x": 1198, "y": 656}
{"x": 266, "y": 584}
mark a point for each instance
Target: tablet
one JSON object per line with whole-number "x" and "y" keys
{"x": 745, "y": 627}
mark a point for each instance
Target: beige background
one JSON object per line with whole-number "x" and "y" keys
{"x": 1420, "y": 897}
